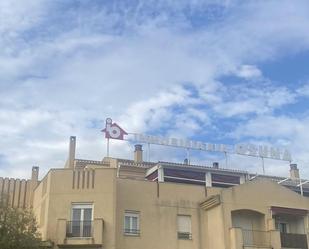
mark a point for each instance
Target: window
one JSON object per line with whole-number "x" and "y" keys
{"x": 282, "y": 227}
{"x": 81, "y": 223}
{"x": 131, "y": 223}
{"x": 184, "y": 227}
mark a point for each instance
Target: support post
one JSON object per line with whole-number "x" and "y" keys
{"x": 107, "y": 148}
{"x": 188, "y": 155}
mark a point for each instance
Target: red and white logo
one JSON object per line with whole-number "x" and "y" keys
{"x": 113, "y": 131}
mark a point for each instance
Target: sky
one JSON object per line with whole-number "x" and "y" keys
{"x": 217, "y": 71}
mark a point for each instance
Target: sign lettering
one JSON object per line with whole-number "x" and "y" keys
{"x": 240, "y": 149}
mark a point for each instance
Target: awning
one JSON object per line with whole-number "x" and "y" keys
{"x": 290, "y": 211}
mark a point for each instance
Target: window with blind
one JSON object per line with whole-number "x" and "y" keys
{"x": 131, "y": 223}
{"x": 184, "y": 227}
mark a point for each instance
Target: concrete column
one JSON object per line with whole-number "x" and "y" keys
{"x": 160, "y": 174}
{"x": 236, "y": 238}
{"x": 98, "y": 231}
{"x": 242, "y": 179}
{"x": 61, "y": 231}
{"x": 275, "y": 240}
{"x": 208, "y": 179}
{"x": 271, "y": 224}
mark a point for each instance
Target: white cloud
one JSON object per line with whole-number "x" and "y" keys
{"x": 304, "y": 90}
{"x": 245, "y": 99}
{"x": 271, "y": 127}
{"x": 282, "y": 131}
{"x": 63, "y": 78}
{"x": 18, "y": 15}
{"x": 248, "y": 72}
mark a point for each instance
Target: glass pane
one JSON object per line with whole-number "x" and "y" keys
{"x": 134, "y": 224}
{"x": 76, "y": 215}
{"x": 87, "y": 228}
{"x": 282, "y": 228}
{"x": 76, "y": 228}
{"x": 87, "y": 214}
{"x": 127, "y": 223}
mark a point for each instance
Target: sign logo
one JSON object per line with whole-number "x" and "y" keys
{"x": 113, "y": 130}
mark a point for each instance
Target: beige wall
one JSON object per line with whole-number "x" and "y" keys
{"x": 61, "y": 193}
{"x": 17, "y": 191}
{"x": 158, "y": 205}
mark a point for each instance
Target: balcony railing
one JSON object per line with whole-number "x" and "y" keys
{"x": 291, "y": 240}
{"x": 256, "y": 238}
{"x": 79, "y": 228}
{"x": 183, "y": 235}
{"x": 132, "y": 232}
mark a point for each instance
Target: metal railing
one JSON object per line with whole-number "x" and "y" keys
{"x": 183, "y": 235}
{"x": 131, "y": 231}
{"x": 256, "y": 238}
{"x": 79, "y": 228}
{"x": 292, "y": 240}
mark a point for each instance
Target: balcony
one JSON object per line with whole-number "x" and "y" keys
{"x": 249, "y": 230}
{"x": 79, "y": 229}
{"x": 250, "y": 239}
{"x": 255, "y": 238}
{"x": 290, "y": 240}
{"x": 290, "y": 224}
{"x": 79, "y": 233}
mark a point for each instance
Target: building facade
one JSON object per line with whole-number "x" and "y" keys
{"x": 129, "y": 204}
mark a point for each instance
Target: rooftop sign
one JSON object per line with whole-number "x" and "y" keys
{"x": 240, "y": 149}
{"x": 114, "y": 131}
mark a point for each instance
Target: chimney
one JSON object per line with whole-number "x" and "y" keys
{"x": 35, "y": 174}
{"x": 138, "y": 153}
{"x": 294, "y": 171}
{"x": 34, "y": 182}
{"x": 215, "y": 165}
{"x": 72, "y": 148}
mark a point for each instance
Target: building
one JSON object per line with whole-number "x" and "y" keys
{"x": 131, "y": 204}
